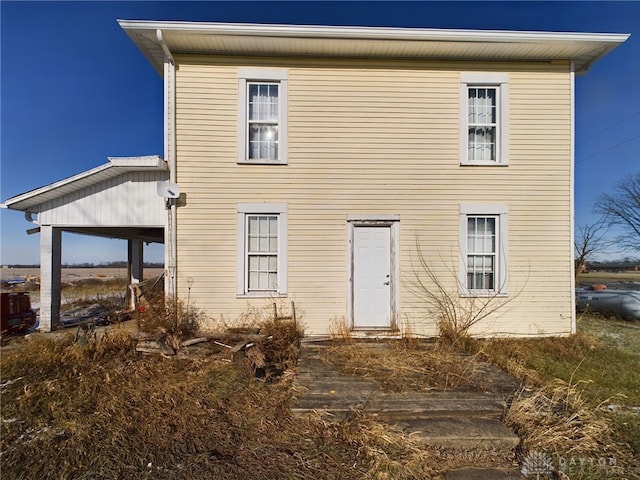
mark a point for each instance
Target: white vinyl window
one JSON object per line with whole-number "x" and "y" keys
{"x": 262, "y": 116}
{"x": 483, "y": 250}
{"x": 262, "y": 249}
{"x": 484, "y": 119}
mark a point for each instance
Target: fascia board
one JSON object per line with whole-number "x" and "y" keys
{"x": 138, "y": 163}
{"x": 15, "y": 202}
{"x": 116, "y": 166}
{"x": 368, "y": 33}
{"x": 143, "y": 33}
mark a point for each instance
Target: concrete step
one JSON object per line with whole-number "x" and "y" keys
{"x": 389, "y": 407}
{"x": 337, "y": 385}
{"x": 463, "y": 433}
{"x": 416, "y": 405}
{"x": 452, "y": 419}
{"x": 484, "y": 474}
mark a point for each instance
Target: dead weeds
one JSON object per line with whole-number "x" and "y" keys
{"x": 556, "y": 419}
{"x": 409, "y": 365}
{"x": 103, "y": 411}
{"x": 563, "y": 410}
{"x": 388, "y": 453}
{"x": 107, "y": 412}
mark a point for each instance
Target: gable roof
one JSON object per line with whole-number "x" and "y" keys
{"x": 157, "y": 39}
{"x": 117, "y": 166}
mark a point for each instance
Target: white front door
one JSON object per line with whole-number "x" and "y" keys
{"x": 371, "y": 277}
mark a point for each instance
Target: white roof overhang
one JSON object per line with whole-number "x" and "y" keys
{"x": 197, "y": 38}
{"x": 30, "y": 201}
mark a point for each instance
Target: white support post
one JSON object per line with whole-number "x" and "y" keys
{"x": 135, "y": 262}
{"x": 50, "y": 276}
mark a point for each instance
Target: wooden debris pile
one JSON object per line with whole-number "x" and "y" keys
{"x": 261, "y": 346}
{"x": 233, "y": 340}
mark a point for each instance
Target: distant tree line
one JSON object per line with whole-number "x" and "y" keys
{"x": 615, "y": 264}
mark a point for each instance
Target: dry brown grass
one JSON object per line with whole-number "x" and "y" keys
{"x": 93, "y": 287}
{"x": 385, "y": 452}
{"x": 172, "y": 321}
{"x": 556, "y": 419}
{"x": 569, "y": 382}
{"x": 103, "y": 411}
{"x": 408, "y": 365}
{"x": 340, "y": 331}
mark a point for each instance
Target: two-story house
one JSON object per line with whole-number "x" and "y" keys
{"x": 344, "y": 168}
{"x": 347, "y": 168}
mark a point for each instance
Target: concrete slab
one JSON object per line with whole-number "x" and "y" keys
{"x": 460, "y": 432}
{"x": 397, "y": 406}
{"x": 436, "y": 404}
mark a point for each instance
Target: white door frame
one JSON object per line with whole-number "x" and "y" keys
{"x": 393, "y": 222}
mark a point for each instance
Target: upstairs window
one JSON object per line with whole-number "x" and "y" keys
{"x": 484, "y": 119}
{"x": 262, "y": 119}
{"x": 262, "y": 116}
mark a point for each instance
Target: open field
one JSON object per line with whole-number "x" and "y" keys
{"x": 72, "y": 274}
{"x": 77, "y": 283}
{"x": 607, "y": 277}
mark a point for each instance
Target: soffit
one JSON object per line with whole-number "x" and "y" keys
{"x": 367, "y": 42}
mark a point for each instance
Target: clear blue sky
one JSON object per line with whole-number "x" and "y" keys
{"x": 74, "y": 89}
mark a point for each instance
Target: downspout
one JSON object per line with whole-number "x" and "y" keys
{"x": 170, "y": 155}
{"x": 572, "y": 197}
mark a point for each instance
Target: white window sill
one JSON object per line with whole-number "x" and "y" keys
{"x": 483, "y": 164}
{"x": 262, "y": 295}
{"x": 483, "y": 294}
{"x": 261, "y": 162}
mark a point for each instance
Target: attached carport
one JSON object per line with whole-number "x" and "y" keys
{"x": 119, "y": 199}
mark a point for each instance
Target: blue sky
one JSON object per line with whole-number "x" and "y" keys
{"x": 75, "y": 90}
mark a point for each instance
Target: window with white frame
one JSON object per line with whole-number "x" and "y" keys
{"x": 484, "y": 118}
{"x": 262, "y": 115}
{"x": 483, "y": 245}
{"x": 481, "y": 252}
{"x": 262, "y": 249}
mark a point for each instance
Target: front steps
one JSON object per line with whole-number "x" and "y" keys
{"x": 452, "y": 420}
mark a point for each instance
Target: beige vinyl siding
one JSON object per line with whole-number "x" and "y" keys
{"x": 376, "y": 138}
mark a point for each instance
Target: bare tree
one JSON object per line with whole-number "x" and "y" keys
{"x": 590, "y": 239}
{"x": 622, "y": 209}
{"x": 454, "y": 313}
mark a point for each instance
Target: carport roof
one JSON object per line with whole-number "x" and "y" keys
{"x": 29, "y": 201}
